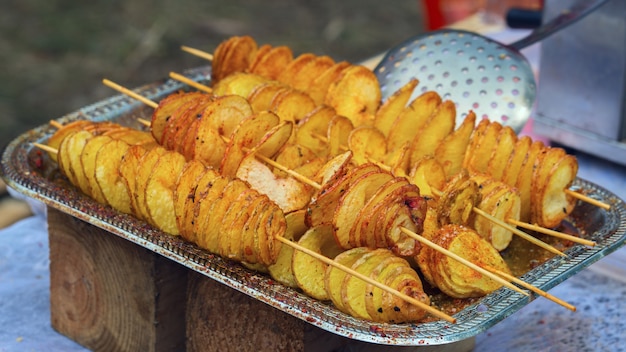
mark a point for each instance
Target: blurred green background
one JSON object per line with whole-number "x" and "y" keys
{"x": 54, "y": 53}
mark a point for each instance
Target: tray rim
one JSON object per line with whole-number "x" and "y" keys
{"x": 475, "y": 318}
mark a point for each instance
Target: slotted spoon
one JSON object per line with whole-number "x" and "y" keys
{"x": 477, "y": 73}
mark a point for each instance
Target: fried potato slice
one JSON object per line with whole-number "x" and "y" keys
{"x": 260, "y": 98}
{"x": 145, "y": 167}
{"x": 207, "y": 236}
{"x": 240, "y": 83}
{"x": 501, "y": 152}
{"x": 351, "y": 201}
{"x": 308, "y": 271}
{"x": 54, "y": 141}
{"x": 478, "y": 158}
{"x": 166, "y": 107}
{"x": 303, "y": 79}
{"x": 185, "y": 188}
{"x": 389, "y": 111}
{"x": 225, "y": 113}
{"x": 73, "y": 147}
{"x": 311, "y": 130}
{"x": 353, "y": 289}
{"x": 525, "y": 177}
{"x": 296, "y": 65}
{"x": 295, "y": 157}
{"x": 88, "y": 163}
{"x": 388, "y": 265}
{"x": 281, "y": 271}
{"x": 320, "y": 85}
{"x": 396, "y": 310}
{"x": 272, "y": 63}
{"x": 108, "y": 159}
{"x": 554, "y": 172}
{"x": 292, "y": 105}
{"x": 247, "y": 135}
{"x": 502, "y": 202}
{"x": 288, "y": 193}
{"x": 464, "y": 281}
{"x": 339, "y": 129}
{"x": 160, "y": 192}
{"x": 458, "y": 198}
{"x": 128, "y": 170}
{"x": 180, "y": 119}
{"x": 238, "y": 56}
{"x": 335, "y": 166}
{"x": 411, "y": 119}
{"x": 355, "y": 94}
{"x": 429, "y": 175}
{"x": 435, "y": 130}
{"x": 451, "y": 151}
{"x": 367, "y": 144}
{"x": 275, "y": 139}
{"x": 333, "y": 277}
{"x": 516, "y": 160}
{"x": 364, "y": 226}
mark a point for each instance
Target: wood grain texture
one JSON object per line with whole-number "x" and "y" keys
{"x": 109, "y": 294}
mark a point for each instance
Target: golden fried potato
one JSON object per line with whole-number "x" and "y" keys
{"x": 429, "y": 175}
{"x": 411, "y": 119}
{"x": 288, "y": 193}
{"x": 358, "y": 192}
{"x": 394, "y": 105}
{"x": 292, "y": 105}
{"x": 246, "y": 136}
{"x": 500, "y": 201}
{"x": 281, "y": 271}
{"x": 296, "y": 65}
{"x": 333, "y": 276}
{"x": 303, "y": 79}
{"x": 525, "y": 179}
{"x": 107, "y": 176}
{"x": 88, "y": 163}
{"x": 367, "y": 144}
{"x": 238, "y": 56}
{"x": 145, "y": 167}
{"x": 435, "y": 130}
{"x": 59, "y": 135}
{"x": 339, "y": 129}
{"x": 160, "y": 192}
{"x": 271, "y": 63}
{"x": 311, "y": 130}
{"x": 72, "y": 147}
{"x": 451, "y": 150}
{"x": 355, "y": 94}
{"x": 166, "y": 107}
{"x": 478, "y": 157}
{"x": 308, "y": 271}
{"x": 554, "y": 172}
{"x": 516, "y": 160}
{"x": 239, "y": 83}
{"x": 184, "y": 191}
{"x": 458, "y": 198}
{"x": 318, "y": 90}
{"x": 501, "y": 153}
{"x": 260, "y": 98}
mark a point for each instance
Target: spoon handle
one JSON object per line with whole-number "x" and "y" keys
{"x": 579, "y": 10}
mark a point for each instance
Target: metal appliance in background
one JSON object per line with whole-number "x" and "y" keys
{"x": 581, "y": 93}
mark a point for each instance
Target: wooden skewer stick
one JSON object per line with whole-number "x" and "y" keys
{"x": 199, "y": 53}
{"x": 190, "y": 82}
{"x": 532, "y": 288}
{"x": 551, "y": 232}
{"x": 589, "y": 200}
{"x": 46, "y": 148}
{"x": 367, "y": 279}
{"x": 461, "y": 260}
{"x": 55, "y": 124}
{"x": 130, "y": 93}
{"x": 518, "y": 232}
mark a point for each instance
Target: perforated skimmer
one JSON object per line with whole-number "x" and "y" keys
{"x": 477, "y": 73}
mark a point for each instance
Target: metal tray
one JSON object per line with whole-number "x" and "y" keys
{"x": 31, "y": 172}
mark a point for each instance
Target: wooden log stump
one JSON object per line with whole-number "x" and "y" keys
{"x": 109, "y": 294}
{"x": 220, "y": 318}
